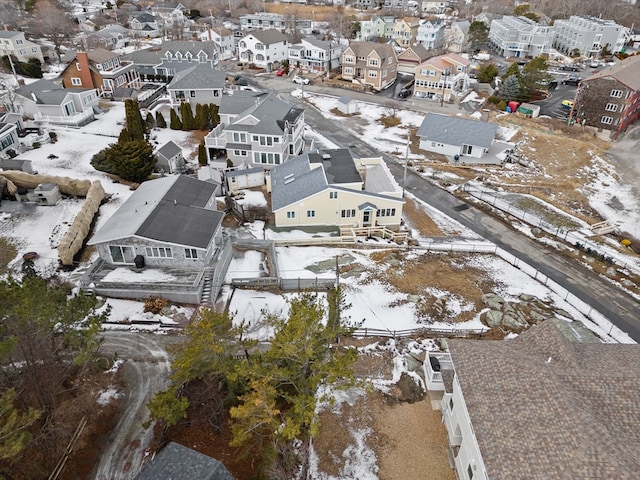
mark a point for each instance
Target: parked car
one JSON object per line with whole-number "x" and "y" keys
{"x": 405, "y": 93}
{"x": 572, "y": 80}
{"x": 281, "y": 72}
{"x": 570, "y": 68}
{"x": 300, "y": 80}
{"x": 567, "y": 104}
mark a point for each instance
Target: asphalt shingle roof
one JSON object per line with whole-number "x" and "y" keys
{"x": 626, "y": 71}
{"x": 177, "y": 462}
{"x": 168, "y": 209}
{"x": 198, "y": 77}
{"x": 169, "y": 150}
{"x": 338, "y": 165}
{"x": 270, "y": 36}
{"x": 457, "y": 131}
{"x": 546, "y": 406}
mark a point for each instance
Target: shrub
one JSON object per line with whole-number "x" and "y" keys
{"x": 493, "y": 99}
{"x": 155, "y": 304}
{"x": 502, "y": 105}
{"x": 53, "y": 136}
{"x": 36, "y": 145}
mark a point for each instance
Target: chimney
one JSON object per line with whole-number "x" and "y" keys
{"x": 82, "y": 61}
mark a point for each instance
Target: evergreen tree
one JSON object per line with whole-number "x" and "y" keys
{"x": 213, "y": 114}
{"x": 13, "y": 424}
{"x": 511, "y": 89}
{"x": 535, "y": 74}
{"x": 124, "y": 136}
{"x": 160, "y": 121}
{"x": 188, "y": 122}
{"x": 478, "y": 35}
{"x": 133, "y": 120}
{"x": 175, "y": 123}
{"x": 487, "y": 73}
{"x": 513, "y": 69}
{"x": 202, "y": 154}
{"x": 149, "y": 122}
{"x": 202, "y": 117}
{"x": 133, "y": 161}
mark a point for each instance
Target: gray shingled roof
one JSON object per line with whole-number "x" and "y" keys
{"x": 8, "y": 33}
{"x": 269, "y": 36}
{"x": 155, "y": 54}
{"x": 338, "y": 165}
{"x": 239, "y": 101}
{"x": 169, "y": 150}
{"x": 545, "y": 406}
{"x": 363, "y": 49}
{"x": 47, "y": 92}
{"x": 168, "y": 209}
{"x": 145, "y": 17}
{"x": 198, "y": 77}
{"x": 271, "y": 114}
{"x": 626, "y": 71}
{"x": 295, "y": 180}
{"x": 177, "y": 462}
{"x": 101, "y": 55}
{"x": 457, "y": 131}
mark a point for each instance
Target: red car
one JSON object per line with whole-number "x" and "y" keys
{"x": 281, "y": 72}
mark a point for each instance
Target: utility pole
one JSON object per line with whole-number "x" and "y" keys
{"x": 406, "y": 162}
{"x": 13, "y": 68}
{"x": 329, "y": 64}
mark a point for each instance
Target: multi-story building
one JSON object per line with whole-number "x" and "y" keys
{"x": 370, "y": 64}
{"x": 456, "y": 36}
{"x": 406, "y": 31}
{"x": 373, "y": 29}
{"x": 100, "y": 69}
{"x": 314, "y": 55}
{"x": 610, "y": 99}
{"x": 263, "y": 48}
{"x": 13, "y": 43}
{"x": 173, "y": 57}
{"x": 588, "y": 35}
{"x": 442, "y": 78}
{"x": 431, "y": 35}
{"x": 256, "y": 130}
{"x": 520, "y": 37}
{"x": 262, "y": 21}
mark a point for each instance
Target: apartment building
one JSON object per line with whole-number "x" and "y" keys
{"x": 520, "y": 37}
{"x": 588, "y": 35}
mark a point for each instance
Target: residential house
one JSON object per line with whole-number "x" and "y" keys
{"x": 370, "y": 64}
{"x": 17, "y": 164}
{"x": 434, "y": 7}
{"x": 262, "y": 21}
{"x": 431, "y": 35}
{"x": 264, "y": 48}
{"x": 109, "y": 38}
{"x": 169, "y": 58}
{"x": 144, "y": 25}
{"x": 610, "y": 99}
{"x": 165, "y": 240}
{"x": 312, "y": 55}
{"x": 201, "y": 84}
{"x": 171, "y": 18}
{"x": 588, "y": 35}
{"x": 9, "y": 140}
{"x": 170, "y": 159}
{"x": 47, "y": 102}
{"x": 456, "y": 36}
{"x": 553, "y": 402}
{"x": 177, "y": 462}
{"x": 373, "y": 29}
{"x": 411, "y": 57}
{"x": 406, "y": 31}
{"x": 256, "y": 130}
{"x": 223, "y": 38}
{"x": 520, "y": 37}
{"x": 331, "y": 188}
{"x": 411, "y": 6}
{"x": 101, "y": 70}
{"x": 15, "y": 44}
{"x": 366, "y": 5}
{"x": 463, "y": 141}
{"x": 442, "y": 78}
{"x": 237, "y": 179}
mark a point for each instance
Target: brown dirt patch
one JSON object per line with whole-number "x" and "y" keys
{"x": 419, "y": 220}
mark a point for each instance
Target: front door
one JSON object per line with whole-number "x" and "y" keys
{"x": 366, "y": 218}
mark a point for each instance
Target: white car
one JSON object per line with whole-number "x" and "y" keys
{"x": 300, "y": 80}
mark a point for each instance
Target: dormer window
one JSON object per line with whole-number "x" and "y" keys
{"x": 168, "y": 55}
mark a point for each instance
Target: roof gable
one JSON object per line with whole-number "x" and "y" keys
{"x": 457, "y": 131}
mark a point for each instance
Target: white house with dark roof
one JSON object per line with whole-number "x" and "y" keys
{"x": 172, "y": 57}
{"x": 553, "y": 403}
{"x": 47, "y": 102}
{"x": 166, "y": 240}
{"x": 462, "y": 141}
{"x": 14, "y": 43}
{"x": 262, "y": 21}
{"x": 9, "y": 141}
{"x": 144, "y": 25}
{"x": 201, "y": 84}
{"x": 313, "y": 55}
{"x": 263, "y": 48}
{"x": 331, "y": 188}
{"x": 256, "y": 130}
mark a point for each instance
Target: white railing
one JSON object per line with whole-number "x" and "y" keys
{"x": 74, "y": 120}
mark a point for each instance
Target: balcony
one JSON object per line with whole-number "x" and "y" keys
{"x": 434, "y": 366}
{"x": 216, "y": 138}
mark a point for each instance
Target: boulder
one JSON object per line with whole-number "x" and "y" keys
{"x": 611, "y": 272}
{"x": 627, "y": 283}
{"x": 413, "y": 298}
{"x": 493, "y": 301}
{"x": 493, "y": 318}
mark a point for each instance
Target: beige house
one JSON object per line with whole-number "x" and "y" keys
{"x": 410, "y": 58}
{"x": 370, "y": 64}
{"x": 442, "y": 78}
{"x": 331, "y": 188}
{"x": 405, "y": 31}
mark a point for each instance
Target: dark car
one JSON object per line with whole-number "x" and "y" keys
{"x": 570, "y": 68}
{"x": 572, "y": 80}
{"x": 404, "y": 93}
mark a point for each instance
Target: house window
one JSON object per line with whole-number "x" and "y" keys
{"x": 239, "y": 137}
{"x": 291, "y": 214}
{"x": 78, "y": 65}
{"x": 159, "y": 252}
{"x": 76, "y": 81}
{"x": 6, "y": 141}
{"x": 373, "y": 62}
{"x": 373, "y": 74}
{"x": 606, "y": 120}
{"x": 121, "y": 254}
{"x": 348, "y": 59}
{"x": 190, "y": 253}
{"x": 470, "y": 471}
{"x": 311, "y": 213}
{"x": 240, "y": 153}
{"x": 192, "y": 93}
{"x": 466, "y": 149}
{"x": 616, "y": 93}
{"x": 349, "y": 213}
{"x": 333, "y": 195}
{"x": 611, "y": 107}
{"x": 386, "y": 212}
{"x": 348, "y": 70}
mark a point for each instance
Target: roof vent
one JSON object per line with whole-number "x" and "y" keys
{"x": 289, "y": 180}
{"x": 326, "y": 156}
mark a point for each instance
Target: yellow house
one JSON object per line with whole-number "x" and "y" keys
{"x": 331, "y": 188}
{"x": 405, "y": 31}
{"x": 442, "y": 78}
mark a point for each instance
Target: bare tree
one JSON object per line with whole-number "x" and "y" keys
{"x": 50, "y": 20}
{"x": 9, "y": 14}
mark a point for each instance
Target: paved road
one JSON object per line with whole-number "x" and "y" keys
{"x": 145, "y": 371}
{"x": 614, "y": 304}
